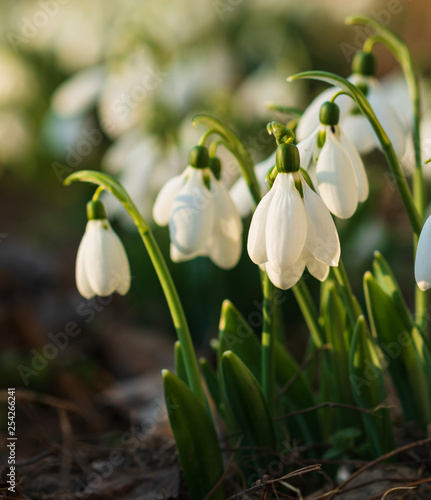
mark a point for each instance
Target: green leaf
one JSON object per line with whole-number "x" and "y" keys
{"x": 298, "y": 396}
{"x": 212, "y": 382}
{"x": 180, "y": 367}
{"x": 336, "y": 327}
{"x": 198, "y": 447}
{"x": 237, "y": 336}
{"x": 386, "y": 279}
{"x": 368, "y": 388}
{"x": 395, "y": 341}
{"x": 248, "y": 407}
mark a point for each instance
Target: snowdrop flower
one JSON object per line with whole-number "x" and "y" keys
{"x": 240, "y": 192}
{"x": 355, "y": 125}
{"x": 423, "y": 257}
{"x": 291, "y": 227}
{"x": 102, "y": 266}
{"x": 334, "y": 164}
{"x": 202, "y": 218}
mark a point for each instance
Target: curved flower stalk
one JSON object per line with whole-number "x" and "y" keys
{"x": 335, "y": 167}
{"x": 355, "y": 125}
{"x": 240, "y": 192}
{"x": 102, "y": 267}
{"x": 202, "y": 218}
{"x": 292, "y": 228}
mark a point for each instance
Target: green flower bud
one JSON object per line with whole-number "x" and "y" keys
{"x": 364, "y": 63}
{"x": 329, "y": 113}
{"x": 199, "y": 157}
{"x": 287, "y": 158}
{"x": 95, "y": 210}
{"x": 215, "y": 166}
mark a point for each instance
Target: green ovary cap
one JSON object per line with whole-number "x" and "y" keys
{"x": 215, "y": 166}
{"x": 199, "y": 157}
{"x": 96, "y": 210}
{"x": 329, "y": 113}
{"x": 287, "y": 158}
{"x": 364, "y": 63}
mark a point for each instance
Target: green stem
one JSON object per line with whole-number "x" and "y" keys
{"x": 159, "y": 263}
{"x": 309, "y": 312}
{"x": 401, "y": 52}
{"x": 343, "y": 280}
{"x": 268, "y": 341}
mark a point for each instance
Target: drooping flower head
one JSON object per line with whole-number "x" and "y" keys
{"x": 423, "y": 257}
{"x": 291, "y": 227}
{"x": 202, "y": 218}
{"x": 102, "y": 267}
{"x": 355, "y": 126}
{"x": 334, "y": 164}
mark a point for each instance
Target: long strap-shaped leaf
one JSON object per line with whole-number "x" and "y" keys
{"x": 197, "y": 443}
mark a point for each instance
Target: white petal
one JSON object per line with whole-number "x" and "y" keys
{"x": 361, "y": 174}
{"x": 286, "y": 228}
{"x": 316, "y": 268}
{"x": 192, "y": 217}
{"x": 256, "y": 243}
{"x": 338, "y": 186}
{"x": 387, "y": 117}
{"x": 240, "y": 193}
{"x": 307, "y": 148}
{"x": 359, "y": 132}
{"x": 225, "y": 244}
{"x": 288, "y": 277}
{"x": 423, "y": 258}
{"x": 178, "y": 256}
{"x": 165, "y": 199}
{"x": 322, "y": 236}
{"x": 309, "y": 121}
{"x": 82, "y": 282}
{"x": 105, "y": 259}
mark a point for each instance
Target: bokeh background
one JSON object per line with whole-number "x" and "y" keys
{"x": 113, "y": 85}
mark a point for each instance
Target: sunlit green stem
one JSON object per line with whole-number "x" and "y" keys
{"x": 343, "y": 280}
{"x": 268, "y": 340}
{"x": 109, "y": 184}
{"x": 401, "y": 51}
{"x": 309, "y": 312}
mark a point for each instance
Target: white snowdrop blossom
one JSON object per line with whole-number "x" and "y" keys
{"x": 203, "y": 220}
{"x": 355, "y": 126}
{"x": 292, "y": 228}
{"x": 102, "y": 266}
{"x": 336, "y": 168}
{"x": 240, "y": 192}
{"x": 423, "y": 257}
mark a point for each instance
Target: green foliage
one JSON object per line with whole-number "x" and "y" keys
{"x": 196, "y": 438}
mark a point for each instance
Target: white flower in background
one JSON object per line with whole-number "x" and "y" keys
{"x": 423, "y": 257}
{"x": 290, "y": 229}
{"x": 336, "y": 168}
{"x": 202, "y": 218}
{"x": 356, "y": 127}
{"x": 102, "y": 267}
{"x": 240, "y": 193}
